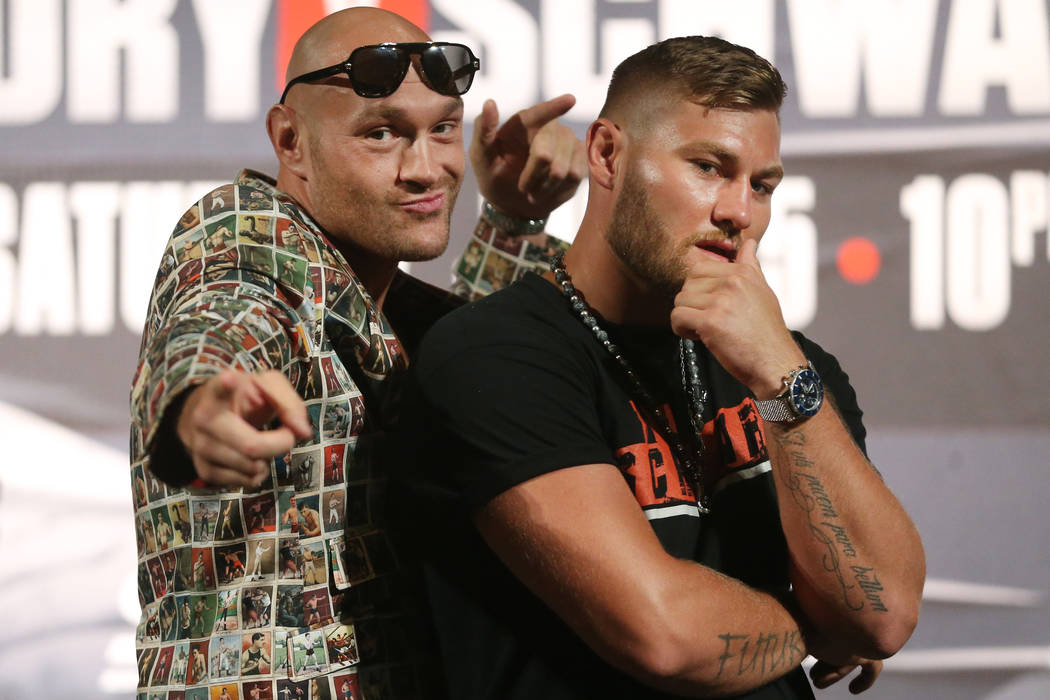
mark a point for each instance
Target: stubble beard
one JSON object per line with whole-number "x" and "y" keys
{"x": 372, "y": 225}
{"x": 640, "y": 239}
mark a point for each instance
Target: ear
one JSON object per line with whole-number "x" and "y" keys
{"x": 605, "y": 143}
{"x": 286, "y": 131}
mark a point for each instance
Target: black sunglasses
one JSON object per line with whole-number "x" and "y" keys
{"x": 377, "y": 70}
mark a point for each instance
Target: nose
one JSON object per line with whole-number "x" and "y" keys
{"x": 419, "y": 164}
{"x": 732, "y": 211}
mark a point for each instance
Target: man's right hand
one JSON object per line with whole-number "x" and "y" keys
{"x": 221, "y": 426}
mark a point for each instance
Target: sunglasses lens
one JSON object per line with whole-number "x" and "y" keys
{"x": 378, "y": 70}
{"x": 450, "y": 69}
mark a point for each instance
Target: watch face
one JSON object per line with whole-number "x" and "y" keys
{"x": 807, "y": 393}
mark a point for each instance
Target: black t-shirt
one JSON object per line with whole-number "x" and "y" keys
{"x": 515, "y": 386}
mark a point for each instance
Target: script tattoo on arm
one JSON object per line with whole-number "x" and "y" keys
{"x": 808, "y": 493}
{"x": 764, "y": 654}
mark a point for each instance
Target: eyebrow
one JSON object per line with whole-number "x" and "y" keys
{"x": 720, "y": 152}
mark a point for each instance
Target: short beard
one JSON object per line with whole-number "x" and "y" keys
{"x": 368, "y": 228}
{"x": 639, "y": 238}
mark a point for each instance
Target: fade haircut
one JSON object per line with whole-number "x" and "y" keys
{"x": 710, "y": 71}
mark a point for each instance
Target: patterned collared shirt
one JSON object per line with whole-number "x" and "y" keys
{"x": 249, "y": 588}
{"x": 289, "y": 590}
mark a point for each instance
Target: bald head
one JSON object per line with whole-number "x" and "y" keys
{"x": 331, "y": 39}
{"x": 367, "y": 162}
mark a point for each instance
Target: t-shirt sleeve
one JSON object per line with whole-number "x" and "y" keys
{"x": 500, "y": 404}
{"x": 836, "y": 382}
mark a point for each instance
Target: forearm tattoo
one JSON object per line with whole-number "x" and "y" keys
{"x": 764, "y": 654}
{"x": 859, "y": 585}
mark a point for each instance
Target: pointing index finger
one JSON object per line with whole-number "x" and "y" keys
{"x": 286, "y": 403}
{"x": 536, "y": 116}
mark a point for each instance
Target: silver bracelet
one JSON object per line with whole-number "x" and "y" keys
{"x": 513, "y": 225}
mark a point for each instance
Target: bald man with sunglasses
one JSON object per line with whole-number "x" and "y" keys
{"x": 252, "y": 346}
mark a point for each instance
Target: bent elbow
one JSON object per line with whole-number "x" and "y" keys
{"x": 662, "y": 658}
{"x": 891, "y": 633}
{"x": 647, "y": 653}
{"x": 658, "y": 661}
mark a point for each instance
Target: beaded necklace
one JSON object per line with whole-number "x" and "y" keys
{"x": 694, "y": 388}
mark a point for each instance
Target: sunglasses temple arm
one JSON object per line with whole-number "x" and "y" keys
{"x": 316, "y": 75}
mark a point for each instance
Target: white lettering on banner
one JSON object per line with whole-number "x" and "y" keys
{"x": 750, "y": 23}
{"x": 568, "y": 38}
{"x": 922, "y": 203}
{"x": 122, "y": 56}
{"x": 44, "y": 291}
{"x": 55, "y": 288}
{"x": 100, "y": 32}
{"x": 95, "y": 206}
{"x": 976, "y": 59}
{"x": 977, "y": 252}
{"x": 788, "y": 253}
{"x": 147, "y": 213}
{"x": 506, "y": 37}
{"x": 8, "y": 237}
{"x": 31, "y": 82}
{"x": 961, "y": 246}
{"x": 1029, "y": 192}
{"x": 834, "y": 41}
{"x": 231, "y": 62}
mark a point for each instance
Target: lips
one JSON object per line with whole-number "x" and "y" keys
{"x": 424, "y": 205}
{"x": 723, "y": 249}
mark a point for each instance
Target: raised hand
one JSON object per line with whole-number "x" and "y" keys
{"x": 731, "y": 309}
{"x": 222, "y": 424}
{"x": 532, "y": 163}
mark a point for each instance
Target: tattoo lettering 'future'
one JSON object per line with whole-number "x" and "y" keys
{"x": 765, "y": 654}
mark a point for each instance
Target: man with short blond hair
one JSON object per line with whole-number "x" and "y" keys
{"x": 630, "y": 482}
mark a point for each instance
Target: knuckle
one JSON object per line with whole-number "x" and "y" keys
{"x": 204, "y": 470}
{"x": 542, "y": 153}
{"x": 248, "y": 449}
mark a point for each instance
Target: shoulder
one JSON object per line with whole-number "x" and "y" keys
{"x": 530, "y": 313}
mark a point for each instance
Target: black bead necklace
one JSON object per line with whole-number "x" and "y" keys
{"x": 694, "y": 389}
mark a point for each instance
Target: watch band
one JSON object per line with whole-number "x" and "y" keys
{"x": 776, "y": 410}
{"x": 779, "y": 408}
{"x": 513, "y": 225}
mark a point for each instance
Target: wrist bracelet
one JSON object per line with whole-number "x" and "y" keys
{"x": 513, "y": 225}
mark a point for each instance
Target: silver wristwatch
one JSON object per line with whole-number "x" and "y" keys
{"x": 802, "y": 397}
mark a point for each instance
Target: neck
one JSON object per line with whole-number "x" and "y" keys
{"x": 608, "y": 286}
{"x": 375, "y": 273}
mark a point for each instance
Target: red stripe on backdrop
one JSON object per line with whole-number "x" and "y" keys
{"x": 415, "y": 11}
{"x": 296, "y": 16}
{"x": 293, "y": 18}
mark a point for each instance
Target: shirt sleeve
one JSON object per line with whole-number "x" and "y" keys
{"x": 501, "y": 405}
{"x": 836, "y": 382}
{"x": 494, "y": 257}
{"x": 237, "y": 322}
